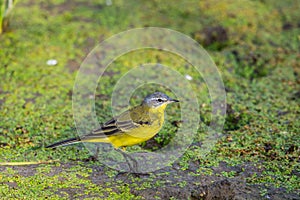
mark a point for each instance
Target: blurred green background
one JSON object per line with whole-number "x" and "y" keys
{"x": 255, "y": 45}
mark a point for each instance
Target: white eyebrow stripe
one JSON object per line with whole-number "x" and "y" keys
{"x": 162, "y": 98}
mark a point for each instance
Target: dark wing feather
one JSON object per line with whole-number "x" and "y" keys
{"x": 120, "y": 124}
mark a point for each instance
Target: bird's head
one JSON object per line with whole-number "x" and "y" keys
{"x": 158, "y": 99}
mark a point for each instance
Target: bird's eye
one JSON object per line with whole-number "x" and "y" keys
{"x": 159, "y": 100}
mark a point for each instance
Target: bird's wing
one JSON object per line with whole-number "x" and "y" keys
{"x": 118, "y": 125}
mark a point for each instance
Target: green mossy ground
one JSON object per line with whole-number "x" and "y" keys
{"x": 255, "y": 44}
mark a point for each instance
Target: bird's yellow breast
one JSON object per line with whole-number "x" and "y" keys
{"x": 142, "y": 132}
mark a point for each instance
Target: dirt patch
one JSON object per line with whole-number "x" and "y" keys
{"x": 215, "y": 37}
{"x": 173, "y": 182}
{"x": 72, "y": 66}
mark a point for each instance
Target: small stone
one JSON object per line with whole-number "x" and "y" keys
{"x": 52, "y": 62}
{"x": 188, "y": 77}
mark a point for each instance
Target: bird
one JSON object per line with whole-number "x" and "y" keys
{"x": 132, "y": 127}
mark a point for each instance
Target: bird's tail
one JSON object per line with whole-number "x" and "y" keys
{"x": 64, "y": 143}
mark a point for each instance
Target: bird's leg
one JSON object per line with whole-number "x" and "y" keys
{"x": 96, "y": 153}
{"x": 133, "y": 168}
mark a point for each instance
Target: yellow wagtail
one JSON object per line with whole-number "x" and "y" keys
{"x": 132, "y": 127}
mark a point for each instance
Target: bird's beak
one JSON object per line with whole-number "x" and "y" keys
{"x": 173, "y": 100}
